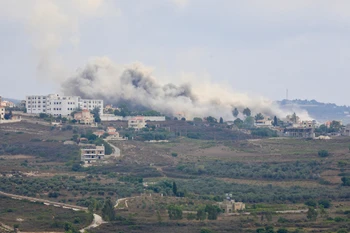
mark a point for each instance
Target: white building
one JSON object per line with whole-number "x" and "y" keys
{"x": 263, "y": 123}
{"x": 91, "y": 155}
{"x": 57, "y": 105}
{"x": 137, "y": 123}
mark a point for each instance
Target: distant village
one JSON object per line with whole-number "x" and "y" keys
{"x": 92, "y": 111}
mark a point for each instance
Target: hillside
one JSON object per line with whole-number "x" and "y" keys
{"x": 319, "y": 111}
{"x": 15, "y": 101}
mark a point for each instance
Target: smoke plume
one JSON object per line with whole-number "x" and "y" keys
{"x": 135, "y": 83}
{"x": 54, "y": 29}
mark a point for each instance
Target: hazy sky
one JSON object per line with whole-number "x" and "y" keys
{"x": 259, "y": 47}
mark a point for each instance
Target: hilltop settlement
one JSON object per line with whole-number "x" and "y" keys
{"x": 70, "y": 164}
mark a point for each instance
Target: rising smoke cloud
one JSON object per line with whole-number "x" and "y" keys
{"x": 54, "y": 26}
{"x": 135, "y": 84}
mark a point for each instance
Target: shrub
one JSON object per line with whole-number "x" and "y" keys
{"x": 174, "y": 154}
{"x": 339, "y": 219}
{"x": 346, "y": 181}
{"x": 175, "y": 212}
{"x": 323, "y": 153}
{"x": 311, "y": 203}
{"x": 191, "y": 216}
{"x": 325, "y": 203}
{"x": 206, "y": 230}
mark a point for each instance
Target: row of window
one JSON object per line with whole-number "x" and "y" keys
{"x": 33, "y": 102}
{"x": 35, "y": 97}
{"x": 34, "y": 106}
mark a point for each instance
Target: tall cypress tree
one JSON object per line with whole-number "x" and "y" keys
{"x": 174, "y": 188}
{"x": 108, "y": 213}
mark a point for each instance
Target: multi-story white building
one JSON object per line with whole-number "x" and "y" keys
{"x": 137, "y": 123}
{"x": 91, "y": 155}
{"x": 57, "y": 105}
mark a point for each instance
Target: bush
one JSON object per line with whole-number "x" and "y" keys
{"x": 191, "y": 216}
{"x": 325, "y": 203}
{"x": 174, "y": 154}
{"x": 339, "y": 219}
{"x": 346, "y": 181}
{"x": 311, "y": 203}
{"x": 264, "y": 132}
{"x": 206, "y": 230}
{"x": 175, "y": 212}
{"x": 323, "y": 153}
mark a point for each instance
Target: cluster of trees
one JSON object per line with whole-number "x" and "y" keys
{"x": 58, "y": 184}
{"x": 213, "y": 189}
{"x": 325, "y": 203}
{"x": 264, "y": 132}
{"x": 49, "y": 149}
{"x": 334, "y": 127}
{"x": 270, "y": 229}
{"x": 108, "y": 213}
{"x": 272, "y": 171}
{"x": 346, "y": 180}
{"x": 208, "y": 211}
{"x": 124, "y": 111}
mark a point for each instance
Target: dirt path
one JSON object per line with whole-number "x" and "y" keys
{"x": 116, "y": 152}
{"x": 95, "y": 222}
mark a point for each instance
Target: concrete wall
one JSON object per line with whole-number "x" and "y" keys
{"x": 112, "y": 117}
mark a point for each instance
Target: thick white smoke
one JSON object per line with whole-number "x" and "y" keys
{"x": 54, "y": 29}
{"x": 134, "y": 83}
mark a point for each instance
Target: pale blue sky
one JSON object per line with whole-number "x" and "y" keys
{"x": 259, "y": 47}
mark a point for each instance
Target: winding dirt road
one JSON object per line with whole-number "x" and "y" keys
{"x": 97, "y": 221}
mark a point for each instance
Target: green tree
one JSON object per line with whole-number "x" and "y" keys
{"x": 325, "y": 203}
{"x": 282, "y": 230}
{"x": 197, "y": 119}
{"x": 201, "y": 214}
{"x": 108, "y": 213}
{"x": 221, "y": 120}
{"x": 248, "y": 122}
{"x": 323, "y": 153}
{"x": 311, "y": 203}
{"x": 294, "y": 118}
{"x": 174, "y": 188}
{"x": 175, "y": 212}
{"x": 69, "y": 228}
{"x": 335, "y": 126}
{"x": 213, "y": 211}
{"x": 238, "y": 122}
{"x": 206, "y": 230}
{"x": 247, "y": 112}
{"x": 346, "y": 181}
{"x": 235, "y": 112}
{"x": 323, "y": 211}
{"x": 269, "y": 229}
{"x": 259, "y": 116}
{"x": 96, "y": 113}
{"x": 275, "y": 121}
{"x": 311, "y": 214}
{"x": 212, "y": 119}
